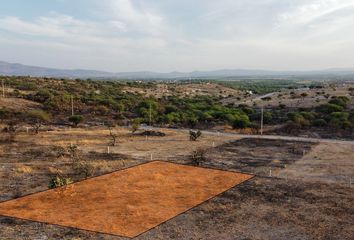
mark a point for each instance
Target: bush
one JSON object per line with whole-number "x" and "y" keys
{"x": 298, "y": 118}
{"x": 194, "y": 135}
{"x": 340, "y": 101}
{"x": 241, "y": 122}
{"x": 59, "y": 181}
{"x": 83, "y": 167}
{"x": 329, "y": 108}
{"x": 135, "y": 125}
{"x": 76, "y": 119}
{"x": 37, "y": 118}
{"x": 319, "y": 123}
{"x": 198, "y": 156}
{"x": 267, "y": 117}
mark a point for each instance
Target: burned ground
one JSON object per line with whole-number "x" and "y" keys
{"x": 297, "y": 202}
{"x": 257, "y": 156}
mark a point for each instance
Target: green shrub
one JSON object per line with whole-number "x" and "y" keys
{"x": 241, "y": 121}
{"x": 340, "y": 101}
{"x": 319, "y": 123}
{"x": 329, "y": 108}
{"x": 59, "y": 181}
{"x": 76, "y": 119}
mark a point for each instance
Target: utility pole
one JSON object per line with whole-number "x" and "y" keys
{"x": 3, "y": 88}
{"x": 150, "y": 116}
{"x": 262, "y": 113}
{"x": 72, "y": 106}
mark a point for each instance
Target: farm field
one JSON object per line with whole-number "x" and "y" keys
{"x": 298, "y": 192}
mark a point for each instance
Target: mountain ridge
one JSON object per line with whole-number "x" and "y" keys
{"x": 17, "y": 69}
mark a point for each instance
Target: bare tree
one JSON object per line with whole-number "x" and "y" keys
{"x": 37, "y": 118}
{"x": 113, "y": 136}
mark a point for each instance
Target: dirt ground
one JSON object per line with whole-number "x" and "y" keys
{"x": 301, "y": 190}
{"x": 129, "y": 202}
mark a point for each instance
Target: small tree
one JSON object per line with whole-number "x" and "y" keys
{"x": 194, "y": 135}
{"x": 198, "y": 156}
{"x": 11, "y": 130}
{"x": 113, "y": 136}
{"x": 37, "y": 118}
{"x": 304, "y": 95}
{"x": 80, "y": 166}
{"x": 76, "y": 119}
{"x": 135, "y": 125}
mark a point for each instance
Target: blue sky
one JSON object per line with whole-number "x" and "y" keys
{"x": 183, "y": 35}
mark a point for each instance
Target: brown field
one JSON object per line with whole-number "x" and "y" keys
{"x": 185, "y": 90}
{"x": 125, "y": 203}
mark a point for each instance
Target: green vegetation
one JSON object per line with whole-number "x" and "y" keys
{"x": 59, "y": 181}
{"x": 263, "y": 86}
{"x": 99, "y": 102}
{"x": 76, "y": 119}
{"x": 335, "y": 115}
{"x": 37, "y": 118}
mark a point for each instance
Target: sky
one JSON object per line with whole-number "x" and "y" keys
{"x": 178, "y": 35}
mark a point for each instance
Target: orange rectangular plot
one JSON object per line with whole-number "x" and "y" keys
{"x": 127, "y": 202}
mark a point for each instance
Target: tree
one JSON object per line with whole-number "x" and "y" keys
{"x": 135, "y": 125}
{"x": 4, "y": 114}
{"x": 194, "y": 135}
{"x": 241, "y": 121}
{"x": 76, "y": 119}
{"x": 113, "y": 136}
{"x": 304, "y": 95}
{"x": 37, "y": 118}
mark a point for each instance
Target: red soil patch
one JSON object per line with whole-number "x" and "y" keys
{"x": 127, "y": 202}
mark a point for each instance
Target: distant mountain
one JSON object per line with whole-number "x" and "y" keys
{"x": 15, "y": 69}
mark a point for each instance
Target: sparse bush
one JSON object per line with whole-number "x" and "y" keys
{"x": 194, "y": 135}
{"x": 59, "y": 181}
{"x": 83, "y": 168}
{"x": 113, "y": 136}
{"x": 198, "y": 157}
{"x": 135, "y": 125}
{"x": 37, "y": 118}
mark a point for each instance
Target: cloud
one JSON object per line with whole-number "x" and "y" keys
{"x": 314, "y": 10}
{"x": 48, "y": 26}
{"x": 167, "y": 35}
{"x": 131, "y": 17}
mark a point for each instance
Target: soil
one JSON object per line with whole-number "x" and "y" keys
{"x": 306, "y": 196}
{"x": 127, "y": 202}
